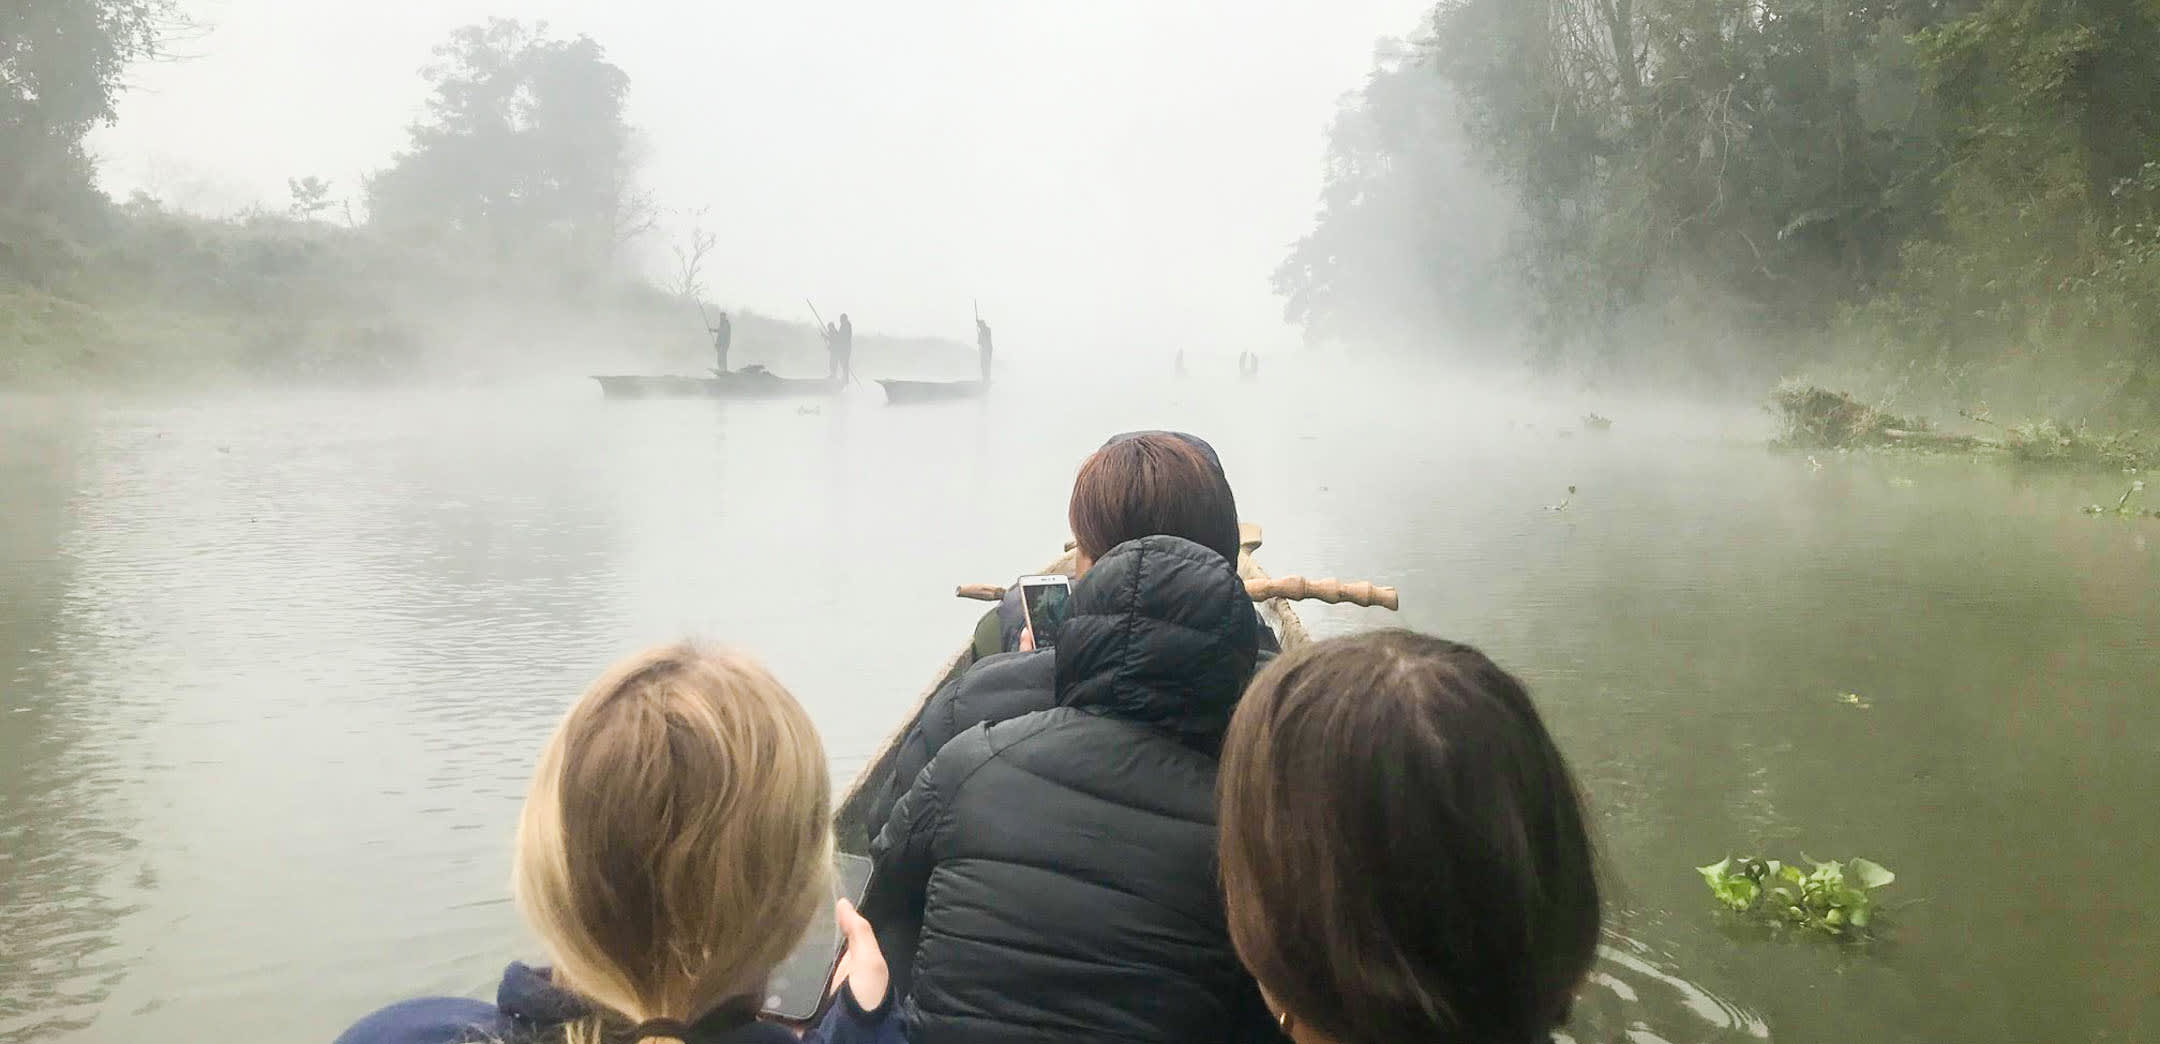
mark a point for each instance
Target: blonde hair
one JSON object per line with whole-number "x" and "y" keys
{"x": 677, "y": 838}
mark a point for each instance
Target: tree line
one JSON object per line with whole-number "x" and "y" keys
{"x": 518, "y": 183}
{"x": 1959, "y": 196}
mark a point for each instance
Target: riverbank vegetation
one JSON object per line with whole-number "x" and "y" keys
{"x": 1813, "y": 417}
{"x": 501, "y": 241}
{"x": 1937, "y": 202}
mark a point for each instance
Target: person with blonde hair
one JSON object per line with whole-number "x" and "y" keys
{"x": 675, "y": 845}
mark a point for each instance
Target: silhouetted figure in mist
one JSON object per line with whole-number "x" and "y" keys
{"x": 1181, "y": 362}
{"x": 840, "y": 349}
{"x": 1248, "y": 365}
{"x": 982, "y": 346}
{"x": 723, "y": 334}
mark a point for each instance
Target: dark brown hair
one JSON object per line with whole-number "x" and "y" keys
{"x": 1149, "y": 484}
{"x": 1404, "y": 855}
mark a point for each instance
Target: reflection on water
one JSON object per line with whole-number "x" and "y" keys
{"x": 277, "y": 667}
{"x": 63, "y": 844}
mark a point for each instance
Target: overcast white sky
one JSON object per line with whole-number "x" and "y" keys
{"x": 1114, "y": 174}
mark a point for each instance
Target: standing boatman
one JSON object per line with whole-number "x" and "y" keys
{"x": 844, "y": 346}
{"x": 723, "y": 334}
{"x": 982, "y": 345}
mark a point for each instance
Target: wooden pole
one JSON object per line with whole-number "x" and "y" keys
{"x": 1263, "y": 589}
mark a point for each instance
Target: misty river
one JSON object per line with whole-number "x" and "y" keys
{"x": 276, "y": 667}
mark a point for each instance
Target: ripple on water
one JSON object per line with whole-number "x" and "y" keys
{"x": 1632, "y": 995}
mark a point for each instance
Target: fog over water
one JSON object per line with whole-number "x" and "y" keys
{"x": 278, "y": 665}
{"x": 1111, "y": 177}
{"x": 311, "y": 525}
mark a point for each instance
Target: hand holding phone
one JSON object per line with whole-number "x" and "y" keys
{"x": 798, "y": 989}
{"x": 862, "y": 964}
{"x": 1043, "y": 604}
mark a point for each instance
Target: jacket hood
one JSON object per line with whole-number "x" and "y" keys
{"x": 1160, "y": 632}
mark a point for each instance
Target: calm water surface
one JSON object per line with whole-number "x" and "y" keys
{"x": 275, "y": 669}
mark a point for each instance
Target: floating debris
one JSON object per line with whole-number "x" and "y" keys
{"x": 1594, "y": 422}
{"x": 2123, "y": 507}
{"x": 1854, "y": 699}
{"x": 1818, "y": 417}
{"x": 1833, "y": 898}
{"x": 1901, "y": 482}
{"x": 1815, "y": 417}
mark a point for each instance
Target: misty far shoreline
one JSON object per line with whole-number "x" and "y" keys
{"x": 512, "y": 229}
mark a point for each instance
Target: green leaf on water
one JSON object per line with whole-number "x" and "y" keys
{"x": 1742, "y": 893}
{"x": 1870, "y": 874}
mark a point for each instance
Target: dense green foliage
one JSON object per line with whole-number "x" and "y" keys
{"x": 1955, "y": 193}
{"x": 524, "y": 154}
{"x": 60, "y": 68}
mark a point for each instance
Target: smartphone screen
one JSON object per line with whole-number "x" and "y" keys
{"x": 796, "y": 991}
{"x": 1044, "y": 599}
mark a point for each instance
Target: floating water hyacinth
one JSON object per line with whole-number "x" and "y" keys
{"x": 1833, "y": 898}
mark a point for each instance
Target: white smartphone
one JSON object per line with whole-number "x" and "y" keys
{"x": 796, "y": 992}
{"x": 1042, "y": 603}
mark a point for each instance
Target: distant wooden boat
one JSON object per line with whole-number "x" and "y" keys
{"x": 932, "y": 391}
{"x": 754, "y": 384}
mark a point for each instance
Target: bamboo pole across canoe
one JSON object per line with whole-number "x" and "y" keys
{"x": 1262, "y": 589}
{"x": 850, "y": 815}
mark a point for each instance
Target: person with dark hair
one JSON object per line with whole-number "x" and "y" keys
{"x": 1052, "y": 877}
{"x": 1404, "y": 851}
{"x": 999, "y": 629}
{"x": 1152, "y": 482}
{"x": 1140, "y": 483}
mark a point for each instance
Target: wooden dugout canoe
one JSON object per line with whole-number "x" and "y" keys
{"x": 734, "y": 385}
{"x": 931, "y": 391}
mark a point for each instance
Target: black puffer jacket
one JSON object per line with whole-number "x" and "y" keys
{"x": 1053, "y": 876}
{"x": 999, "y": 688}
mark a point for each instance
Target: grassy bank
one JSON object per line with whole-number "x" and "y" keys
{"x": 152, "y": 298}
